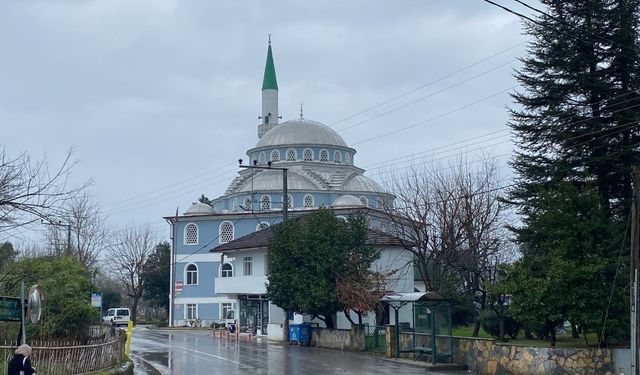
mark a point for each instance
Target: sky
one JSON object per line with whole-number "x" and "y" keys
{"x": 160, "y": 98}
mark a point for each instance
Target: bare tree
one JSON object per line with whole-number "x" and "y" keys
{"x": 127, "y": 260}
{"x": 30, "y": 191}
{"x": 89, "y": 234}
{"x": 452, "y": 222}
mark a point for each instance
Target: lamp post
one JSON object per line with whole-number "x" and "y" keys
{"x": 285, "y": 211}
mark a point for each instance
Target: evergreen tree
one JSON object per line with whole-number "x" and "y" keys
{"x": 576, "y": 128}
{"x": 578, "y": 114}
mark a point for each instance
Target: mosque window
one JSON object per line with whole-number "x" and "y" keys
{"x": 226, "y": 232}
{"x": 275, "y": 155}
{"x": 347, "y": 158}
{"x": 308, "y": 201}
{"x": 292, "y": 155}
{"x": 337, "y": 157}
{"x": 262, "y": 157}
{"x": 191, "y": 274}
{"x": 364, "y": 201}
{"x": 308, "y": 154}
{"x": 324, "y": 155}
{"x": 289, "y": 201}
{"x": 265, "y": 202}
{"x": 247, "y": 203}
{"x": 262, "y": 226}
{"x": 191, "y": 234}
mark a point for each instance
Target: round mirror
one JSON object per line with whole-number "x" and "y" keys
{"x": 34, "y": 306}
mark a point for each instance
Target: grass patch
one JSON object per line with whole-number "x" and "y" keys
{"x": 562, "y": 340}
{"x": 467, "y": 331}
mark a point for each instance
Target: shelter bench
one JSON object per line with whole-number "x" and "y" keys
{"x": 419, "y": 351}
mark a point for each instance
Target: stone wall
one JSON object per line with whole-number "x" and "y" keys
{"x": 486, "y": 356}
{"x": 489, "y": 357}
{"x": 343, "y": 339}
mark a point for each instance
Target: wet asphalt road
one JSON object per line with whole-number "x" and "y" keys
{"x": 198, "y": 352}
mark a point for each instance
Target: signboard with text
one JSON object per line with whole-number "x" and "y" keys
{"x": 10, "y": 309}
{"x": 178, "y": 286}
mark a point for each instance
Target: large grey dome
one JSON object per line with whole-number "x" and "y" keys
{"x": 301, "y": 131}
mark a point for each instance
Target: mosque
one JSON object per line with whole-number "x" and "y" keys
{"x": 219, "y": 271}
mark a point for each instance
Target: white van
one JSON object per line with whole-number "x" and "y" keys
{"x": 117, "y": 316}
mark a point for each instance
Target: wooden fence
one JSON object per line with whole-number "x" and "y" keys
{"x": 69, "y": 357}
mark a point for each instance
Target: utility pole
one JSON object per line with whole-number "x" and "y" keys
{"x": 67, "y": 251}
{"x": 172, "y": 272}
{"x": 285, "y": 215}
{"x": 635, "y": 263}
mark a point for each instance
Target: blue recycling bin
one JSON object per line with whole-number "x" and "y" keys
{"x": 300, "y": 333}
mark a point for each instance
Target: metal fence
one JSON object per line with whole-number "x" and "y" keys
{"x": 72, "y": 357}
{"x": 374, "y": 339}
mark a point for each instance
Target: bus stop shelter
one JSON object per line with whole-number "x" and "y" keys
{"x": 430, "y": 330}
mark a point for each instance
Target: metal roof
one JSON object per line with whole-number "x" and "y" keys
{"x": 301, "y": 131}
{"x": 412, "y": 297}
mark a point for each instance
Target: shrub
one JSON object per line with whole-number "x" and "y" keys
{"x": 491, "y": 324}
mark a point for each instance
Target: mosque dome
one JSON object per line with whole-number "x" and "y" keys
{"x": 301, "y": 131}
{"x": 272, "y": 180}
{"x": 199, "y": 208}
{"x": 346, "y": 200}
{"x": 361, "y": 183}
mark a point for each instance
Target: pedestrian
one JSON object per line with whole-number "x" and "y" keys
{"x": 20, "y": 364}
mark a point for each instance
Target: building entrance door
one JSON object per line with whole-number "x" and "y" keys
{"x": 254, "y": 314}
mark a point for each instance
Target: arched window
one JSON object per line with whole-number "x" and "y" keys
{"x": 226, "y": 270}
{"x": 191, "y": 234}
{"x": 275, "y": 155}
{"x": 337, "y": 157}
{"x": 324, "y": 155}
{"x": 365, "y": 201}
{"x": 347, "y": 158}
{"x": 292, "y": 155}
{"x": 262, "y": 157}
{"x": 191, "y": 274}
{"x": 225, "y": 232}
{"x": 265, "y": 202}
{"x": 308, "y": 154}
{"x": 289, "y": 201}
{"x": 308, "y": 201}
{"x": 262, "y": 226}
{"x": 247, "y": 203}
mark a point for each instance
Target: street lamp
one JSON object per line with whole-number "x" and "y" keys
{"x": 285, "y": 195}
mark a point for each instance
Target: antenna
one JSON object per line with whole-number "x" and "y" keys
{"x": 301, "y": 116}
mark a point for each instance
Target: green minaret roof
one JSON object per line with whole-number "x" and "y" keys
{"x": 269, "y": 82}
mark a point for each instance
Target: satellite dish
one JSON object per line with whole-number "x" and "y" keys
{"x": 36, "y": 296}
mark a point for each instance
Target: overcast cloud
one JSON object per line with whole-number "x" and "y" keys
{"x": 160, "y": 98}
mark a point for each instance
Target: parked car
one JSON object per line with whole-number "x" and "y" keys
{"x": 117, "y": 316}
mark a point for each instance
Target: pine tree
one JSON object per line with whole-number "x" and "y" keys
{"x": 576, "y": 123}
{"x": 578, "y": 115}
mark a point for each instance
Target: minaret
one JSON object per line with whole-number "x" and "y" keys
{"x": 269, "y": 96}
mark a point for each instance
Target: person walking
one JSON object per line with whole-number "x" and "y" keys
{"x": 20, "y": 364}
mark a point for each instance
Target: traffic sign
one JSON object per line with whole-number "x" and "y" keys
{"x": 10, "y": 309}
